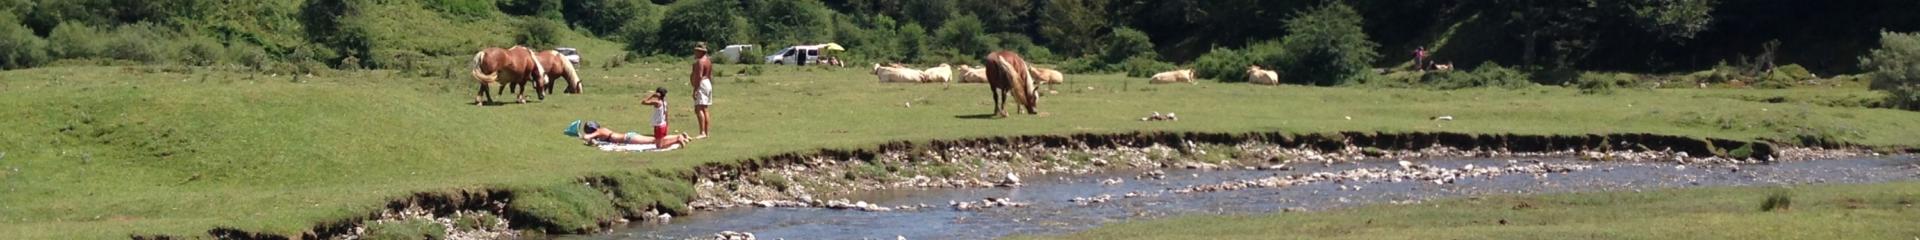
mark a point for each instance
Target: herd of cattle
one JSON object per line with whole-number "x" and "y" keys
{"x": 897, "y": 73}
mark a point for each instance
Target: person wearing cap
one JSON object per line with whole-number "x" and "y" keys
{"x": 702, "y": 81}
{"x": 592, "y": 132}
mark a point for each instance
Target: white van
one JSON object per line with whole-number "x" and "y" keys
{"x": 731, "y": 54}
{"x": 796, "y": 55}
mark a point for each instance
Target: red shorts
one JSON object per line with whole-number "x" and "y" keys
{"x": 659, "y": 134}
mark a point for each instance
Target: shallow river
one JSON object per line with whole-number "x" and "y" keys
{"x": 1051, "y": 212}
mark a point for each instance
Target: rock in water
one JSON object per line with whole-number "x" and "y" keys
{"x": 1011, "y": 180}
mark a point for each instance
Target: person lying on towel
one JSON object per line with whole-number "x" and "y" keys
{"x": 594, "y": 134}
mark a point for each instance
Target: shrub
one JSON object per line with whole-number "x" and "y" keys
{"x": 966, "y": 36}
{"x": 249, "y": 55}
{"x": 538, "y": 33}
{"x": 1025, "y": 46}
{"x": 1597, "y": 83}
{"x": 1080, "y": 66}
{"x": 19, "y": 48}
{"x": 913, "y": 42}
{"x": 1225, "y": 65}
{"x": 1326, "y": 46}
{"x": 1779, "y": 200}
{"x": 1895, "y": 68}
{"x": 1126, "y": 44}
{"x": 463, "y": 8}
{"x": 201, "y": 51}
{"x": 136, "y": 42}
{"x": 76, "y": 40}
{"x": 1144, "y": 66}
{"x": 790, "y": 22}
{"x": 716, "y": 22}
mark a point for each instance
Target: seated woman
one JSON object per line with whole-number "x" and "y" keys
{"x": 592, "y": 131}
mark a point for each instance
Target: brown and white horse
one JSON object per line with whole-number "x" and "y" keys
{"x": 1007, "y": 73}
{"x": 504, "y": 67}
{"x": 557, "y": 66}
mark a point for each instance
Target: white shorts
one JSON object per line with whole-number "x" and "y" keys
{"x": 703, "y": 95}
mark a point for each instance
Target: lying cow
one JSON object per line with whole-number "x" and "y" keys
{"x": 968, "y": 74}
{"x": 1175, "y": 76}
{"x": 1257, "y": 75}
{"x": 940, "y": 74}
{"x": 897, "y": 75}
{"x": 1048, "y": 76}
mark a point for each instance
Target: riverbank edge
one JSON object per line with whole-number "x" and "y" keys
{"x": 603, "y": 201}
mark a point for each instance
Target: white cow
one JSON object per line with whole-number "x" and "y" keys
{"x": 968, "y": 74}
{"x": 1257, "y": 75}
{"x": 940, "y": 74}
{"x": 897, "y": 75}
{"x": 1048, "y": 76}
{"x": 1175, "y": 76}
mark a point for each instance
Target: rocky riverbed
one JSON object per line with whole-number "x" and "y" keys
{"x": 989, "y": 192}
{"x": 1066, "y": 202}
{"x": 802, "y": 184}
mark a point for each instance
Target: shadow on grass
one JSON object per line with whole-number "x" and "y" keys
{"x": 976, "y": 116}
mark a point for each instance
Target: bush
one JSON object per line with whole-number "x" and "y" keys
{"x": 19, "y": 48}
{"x": 1025, "y": 46}
{"x": 790, "y": 22}
{"x": 1125, "y": 44}
{"x": 913, "y": 42}
{"x": 1225, "y": 65}
{"x": 716, "y": 22}
{"x": 539, "y": 33}
{"x": 966, "y": 36}
{"x": 76, "y": 40}
{"x": 1080, "y": 66}
{"x": 201, "y": 51}
{"x": 250, "y": 56}
{"x": 1778, "y": 200}
{"x": 1326, "y": 46}
{"x": 136, "y": 42}
{"x": 1144, "y": 66}
{"x": 1895, "y": 68}
{"x": 1598, "y": 83}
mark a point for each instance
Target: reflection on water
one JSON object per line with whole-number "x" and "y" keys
{"x": 1051, "y": 212}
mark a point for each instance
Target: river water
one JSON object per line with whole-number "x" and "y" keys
{"x": 1051, "y": 211}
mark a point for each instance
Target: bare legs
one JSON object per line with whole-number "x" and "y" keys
{"x": 701, "y": 112}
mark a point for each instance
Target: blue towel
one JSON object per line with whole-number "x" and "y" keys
{"x": 573, "y": 129}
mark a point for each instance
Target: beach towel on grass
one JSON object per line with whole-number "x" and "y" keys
{"x": 604, "y": 146}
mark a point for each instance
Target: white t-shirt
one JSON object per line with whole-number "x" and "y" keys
{"x": 660, "y": 114}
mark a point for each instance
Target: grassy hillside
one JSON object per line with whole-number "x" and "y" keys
{"x": 1874, "y": 211}
{"x": 103, "y": 152}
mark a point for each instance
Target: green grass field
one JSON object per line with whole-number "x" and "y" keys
{"x": 104, "y": 152}
{"x": 1873, "y": 211}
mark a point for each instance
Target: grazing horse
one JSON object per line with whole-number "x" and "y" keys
{"x": 506, "y": 67}
{"x": 557, "y": 66}
{"x": 1007, "y": 73}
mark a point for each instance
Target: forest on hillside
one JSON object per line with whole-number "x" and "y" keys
{"x": 1647, "y": 36}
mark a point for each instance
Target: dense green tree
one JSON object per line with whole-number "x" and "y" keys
{"x": 606, "y": 17}
{"x": 19, "y": 48}
{"x": 965, "y": 35}
{"x": 1073, "y": 26}
{"x": 790, "y": 21}
{"x": 1126, "y": 43}
{"x": 539, "y": 33}
{"x": 717, "y": 22}
{"x": 1327, "y": 46}
{"x": 1895, "y": 68}
{"x": 913, "y": 42}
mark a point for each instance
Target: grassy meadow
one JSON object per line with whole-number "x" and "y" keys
{"x": 105, "y": 152}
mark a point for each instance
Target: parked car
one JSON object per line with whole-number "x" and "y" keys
{"x": 572, "y": 55}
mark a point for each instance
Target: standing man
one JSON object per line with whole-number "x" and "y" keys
{"x": 702, "y": 81}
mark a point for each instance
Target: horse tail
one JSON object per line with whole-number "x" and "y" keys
{"x": 478, "y": 75}
{"x": 573, "y": 76}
